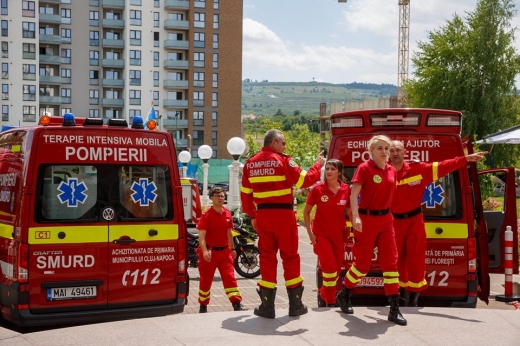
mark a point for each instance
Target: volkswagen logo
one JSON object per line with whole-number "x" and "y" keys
{"x": 108, "y": 213}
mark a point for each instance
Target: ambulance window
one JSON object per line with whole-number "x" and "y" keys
{"x": 67, "y": 192}
{"x": 442, "y": 198}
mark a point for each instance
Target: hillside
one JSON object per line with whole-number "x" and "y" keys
{"x": 266, "y": 98}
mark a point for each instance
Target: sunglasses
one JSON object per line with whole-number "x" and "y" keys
{"x": 283, "y": 143}
{"x": 219, "y": 196}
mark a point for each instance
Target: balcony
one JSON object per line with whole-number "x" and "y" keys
{"x": 54, "y": 1}
{"x": 113, "y": 23}
{"x": 113, "y": 83}
{"x": 53, "y": 100}
{"x": 113, "y": 63}
{"x": 181, "y": 142}
{"x": 176, "y": 64}
{"x": 178, "y": 124}
{"x": 108, "y": 43}
{"x": 50, "y": 39}
{"x": 119, "y": 4}
{"x": 50, "y": 18}
{"x": 176, "y": 4}
{"x": 50, "y": 80}
{"x": 176, "y": 24}
{"x": 175, "y": 84}
{"x": 176, "y": 44}
{"x": 179, "y": 104}
{"x": 50, "y": 59}
{"x": 113, "y": 102}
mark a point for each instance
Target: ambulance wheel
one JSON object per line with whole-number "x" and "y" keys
{"x": 321, "y": 302}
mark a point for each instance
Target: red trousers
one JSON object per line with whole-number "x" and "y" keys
{"x": 277, "y": 230}
{"x": 224, "y": 262}
{"x": 377, "y": 231}
{"x": 410, "y": 237}
{"x": 330, "y": 252}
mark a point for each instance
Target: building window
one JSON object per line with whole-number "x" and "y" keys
{"x": 113, "y": 35}
{"x": 214, "y": 138}
{"x": 135, "y": 37}
{"x": 113, "y": 15}
{"x": 5, "y": 113}
{"x": 155, "y": 3}
{"x": 46, "y": 10}
{"x": 198, "y": 118}
{"x": 134, "y": 113}
{"x": 29, "y": 92}
{"x": 65, "y": 35}
{"x": 214, "y": 116}
{"x": 200, "y": 4}
{"x": 198, "y": 59}
{"x": 156, "y": 98}
{"x": 215, "y": 21}
{"x": 198, "y": 79}
{"x": 66, "y": 53}
{"x": 5, "y": 28}
{"x": 29, "y": 51}
{"x": 215, "y": 80}
{"x": 29, "y": 113}
{"x": 65, "y": 15}
{"x": 198, "y": 137}
{"x": 94, "y": 58}
{"x": 215, "y": 4}
{"x": 199, "y": 38}
{"x": 135, "y": 17}
{"x": 4, "y": 8}
{"x": 215, "y": 41}
{"x": 135, "y": 57}
{"x": 28, "y": 9}
{"x": 156, "y": 39}
{"x": 199, "y": 20}
{"x": 94, "y": 37}
{"x": 112, "y": 113}
{"x": 65, "y": 93}
{"x": 215, "y": 60}
{"x": 63, "y": 110}
{"x": 5, "y": 49}
{"x": 113, "y": 55}
{"x": 135, "y": 77}
{"x": 112, "y": 94}
{"x": 214, "y": 99}
{"x": 5, "y": 91}
{"x": 93, "y": 18}
{"x": 112, "y": 74}
{"x": 93, "y": 77}
{"x": 29, "y": 71}
{"x": 156, "y": 59}
{"x": 93, "y": 113}
{"x": 198, "y": 98}
{"x": 135, "y": 97}
{"x": 5, "y": 70}
{"x": 156, "y": 19}
{"x": 66, "y": 75}
{"x": 93, "y": 96}
{"x": 28, "y": 30}
{"x": 136, "y": 2}
{"x": 155, "y": 78}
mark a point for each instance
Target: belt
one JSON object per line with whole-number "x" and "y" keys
{"x": 374, "y": 212}
{"x": 409, "y": 214}
{"x": 274, "y": 206}
{"x": 216, "y": 248}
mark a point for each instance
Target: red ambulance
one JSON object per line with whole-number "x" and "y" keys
{"x": 464, "y": 242}
{"x": 91, "y": 222}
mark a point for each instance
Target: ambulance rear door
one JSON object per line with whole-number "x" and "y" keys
{"x": 143, "y": 235}
{"x": 68, "y": 240}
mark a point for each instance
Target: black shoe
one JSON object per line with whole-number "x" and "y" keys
{"x": 343, "y": 300}
{"x": 203, "y": 309}
{"x": 404, "y": 295}
{"x": 296, "y": 307}
{"x": 414, "y": 299}
{"x": 238, "y": 307}
{"x": 266, "y": 308}
{"x": 395, "y": 315}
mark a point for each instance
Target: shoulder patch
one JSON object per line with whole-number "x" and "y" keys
{"x": 292, "y": 163}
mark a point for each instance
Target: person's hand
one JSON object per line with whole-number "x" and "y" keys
{"x": 233, "y": 254}
{"x": 253, "y": 223}
{"x": 476, "y": 157}
{"x": 357, "y": 224}
{"x": 320, "y": 159}
{"x": 207, "y": 256}
{"x": 312, "y": 238}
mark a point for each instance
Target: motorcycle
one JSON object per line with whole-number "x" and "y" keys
{"x": 247, "y": 261}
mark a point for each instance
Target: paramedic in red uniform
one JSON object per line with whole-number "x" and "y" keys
{"x": 412, "y": 179}
{"x": 331, "y": 198}
{"x": 216, "y": 251}
{"x": 374, "y": 183}
{"x": 267, "y": 182}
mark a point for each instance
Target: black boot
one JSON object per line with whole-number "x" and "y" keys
{"x": 296, "y": 307}
{"x": 414, "y": 299}
{"x": 238, "y": 307}
{"x": 395, "y": 315}
{"x": 266, "y": 308}
{"x": 343, "y": 299}
{"x": 203, "y": 309}
{"x": 404, "y": 295}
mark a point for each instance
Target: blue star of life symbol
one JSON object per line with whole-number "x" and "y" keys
{"x": 72, "y": 192}
{"x": 433, "y": 194}
{"x": 143, "y": 192}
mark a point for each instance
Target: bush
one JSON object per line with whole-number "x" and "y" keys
{"x": 491, "y": 204}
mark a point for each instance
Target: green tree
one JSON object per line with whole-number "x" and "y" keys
{"x": 470, "y": 65}
{"x": 302, "y": 145}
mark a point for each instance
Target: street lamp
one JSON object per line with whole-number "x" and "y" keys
{"x": 236, "y": 147}
{"x": 184, "y": 158}
{"x": 205, "y": 153}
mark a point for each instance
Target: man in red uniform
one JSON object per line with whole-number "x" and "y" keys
{"x": 268, "y": 181}
{"x": 412, "y": 179}
{"x": 216, "y": 251}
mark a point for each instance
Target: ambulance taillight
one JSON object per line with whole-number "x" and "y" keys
{"x": 472, "y": 255}
{"x": 23, "y": 263}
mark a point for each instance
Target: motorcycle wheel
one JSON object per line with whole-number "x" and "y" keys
{"x": 247, "y": 263}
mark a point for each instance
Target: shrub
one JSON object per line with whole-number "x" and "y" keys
{"x": 491, "y": 204}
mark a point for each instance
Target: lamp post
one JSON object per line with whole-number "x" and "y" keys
{"x": 184, "y": 158}
{"x": 205, "y": 153}
{"x": 236, "y": 147}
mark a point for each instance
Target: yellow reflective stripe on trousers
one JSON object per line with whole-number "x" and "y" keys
{"x": 403, "y": 284}
{"x": 234, "y": 294}
{"x": 330, "y": 283}
{"x": 417, "y": 285}
{"x": 267, "y": 284}
{"x": 293, "y": 281}
{"x": 329, "y": 275}
{"x": 300, "y": 181}
{"x": 275, "y": 193}
{"x": 394, "y": 274}
{"x": 246, "y": 190}
{"x": 267, "y": 179}
{"x": 449, "y": 230}
{"x": 409, "y": 180}
{"x": 391, "y": 281}
{"x": 204, "y": 293}
{"x": 435, "y": 168}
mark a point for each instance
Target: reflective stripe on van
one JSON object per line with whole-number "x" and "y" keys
{"x": 449, "y": 230}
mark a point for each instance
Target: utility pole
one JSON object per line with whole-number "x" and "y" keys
{"x": 403, "y": 50}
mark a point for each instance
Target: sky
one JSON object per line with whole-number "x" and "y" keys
{"x": 327, "y": 41}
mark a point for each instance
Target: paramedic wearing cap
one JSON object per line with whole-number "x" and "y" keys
{"x": 216, "y": 251}
{"x": 374, "y": 185}
{"x": 412, "y": 179}
{"x": 268, "y": 181}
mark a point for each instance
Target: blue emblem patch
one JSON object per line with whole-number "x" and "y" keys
{"x": 72, "y": 192}
{"x": 433, "y": 194}
{"x": 143, "y": 192}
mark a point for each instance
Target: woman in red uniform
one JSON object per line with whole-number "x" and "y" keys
{"x": 331, "y": 198}
{"x": 374, "y": 183}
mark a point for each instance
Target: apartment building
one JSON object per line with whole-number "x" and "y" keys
{"x": 117, "y": 58}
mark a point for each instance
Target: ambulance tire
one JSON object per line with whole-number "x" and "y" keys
{"x": 247, "y": 263}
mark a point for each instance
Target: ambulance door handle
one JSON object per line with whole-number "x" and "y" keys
{"x": 124, "y": 240}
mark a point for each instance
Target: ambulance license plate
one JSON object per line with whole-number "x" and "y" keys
{"x": 64, "y": 293}
{"x": 371, "y": 282}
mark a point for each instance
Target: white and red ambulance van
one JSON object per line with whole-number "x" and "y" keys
{"x": 91, "y": 222}
{"x": 464, "y": 242}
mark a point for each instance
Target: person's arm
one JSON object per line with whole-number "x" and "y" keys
{"x": 307, "y": 220}
{"x": 202, "y": 243}
{"x": 302, "y": 178}
{"x": 246, "y": 197}
{"x": 356, "y": 220}
{"x": 230, "y": 243}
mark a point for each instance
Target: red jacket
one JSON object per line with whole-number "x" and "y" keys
{"x": 269, "y": 177}
{"x": 413, "y": 178}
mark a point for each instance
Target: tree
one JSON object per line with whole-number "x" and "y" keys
{"x": 470, "y": 65}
